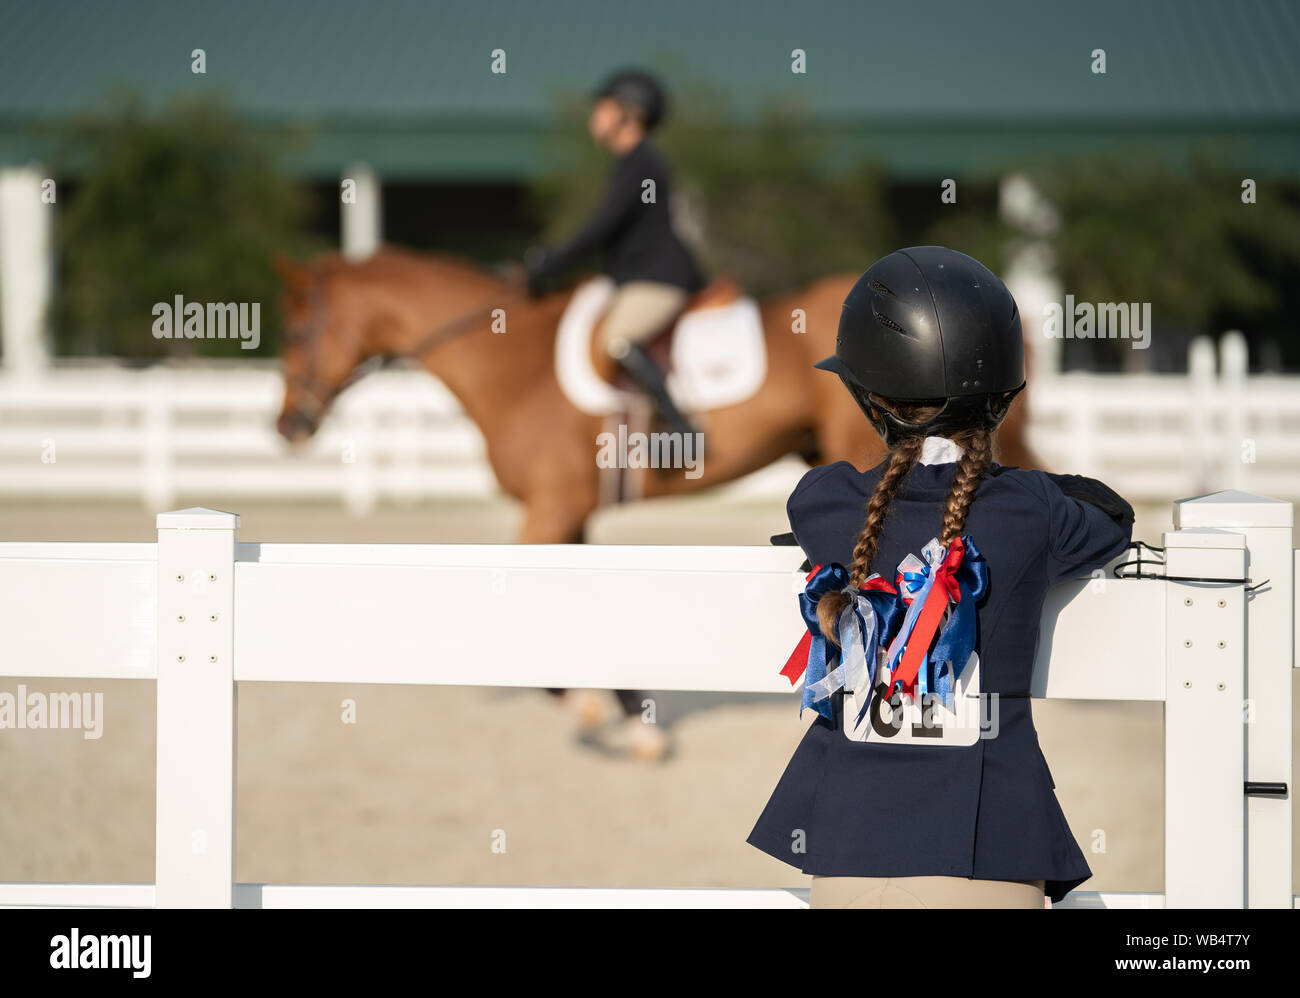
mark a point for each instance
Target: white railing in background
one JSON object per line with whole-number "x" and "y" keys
{"x": 414, "y": 614}
{"x": 166, "y": 433}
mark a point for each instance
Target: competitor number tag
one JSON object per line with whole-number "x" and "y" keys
{"x": 899, "y": 720}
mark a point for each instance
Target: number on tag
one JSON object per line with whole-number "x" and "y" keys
{"x": 899, "y": 720}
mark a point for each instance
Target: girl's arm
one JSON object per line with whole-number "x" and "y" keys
{"x": 1089, "y": 525}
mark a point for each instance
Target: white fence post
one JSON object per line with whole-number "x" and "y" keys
{"x": 362, "y": 219}
{"x": 1205, "y": 634}
{"x": 26, "y": 253}
{"x": 195, "y": 844}
{"x": 1234, "y": 364}
{"x": 1202, "y": 406}
{"x": 1267, "y": 525}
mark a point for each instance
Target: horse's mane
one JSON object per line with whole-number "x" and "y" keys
{"x": 395, "y": 261}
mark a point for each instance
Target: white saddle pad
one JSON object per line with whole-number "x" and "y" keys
{"x": 718, "y": 354}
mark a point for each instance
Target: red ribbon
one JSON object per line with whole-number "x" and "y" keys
{"x": 944, "y": 587}
{"x": 798, "y": 660}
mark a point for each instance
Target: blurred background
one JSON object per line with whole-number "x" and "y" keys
{"x": 127, "y": 176}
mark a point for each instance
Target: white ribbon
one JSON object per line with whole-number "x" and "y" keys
{"x": 856, "y": 630}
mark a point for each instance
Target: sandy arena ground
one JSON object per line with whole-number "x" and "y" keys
{"x": 416, "y": 790}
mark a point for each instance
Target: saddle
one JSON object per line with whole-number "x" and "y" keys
{"x": 722, "y": 291}
{"x": 622, "y": 485}
{"x": 712, "y": 354}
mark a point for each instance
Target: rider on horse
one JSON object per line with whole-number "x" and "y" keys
{"x": 652, "y": 269}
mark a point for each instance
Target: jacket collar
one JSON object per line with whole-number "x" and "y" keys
{"x": 932, "y": 474}
{"x": 939, "y": 450}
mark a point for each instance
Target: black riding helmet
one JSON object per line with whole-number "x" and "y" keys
{"x": 929, "y": 324}
{"x": 639, "y": 89}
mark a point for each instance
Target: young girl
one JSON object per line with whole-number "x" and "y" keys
{"x": 921, "y": 782}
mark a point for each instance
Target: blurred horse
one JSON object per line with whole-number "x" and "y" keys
{"x": 540, "y": 446}
{"x": 341, "y": 315}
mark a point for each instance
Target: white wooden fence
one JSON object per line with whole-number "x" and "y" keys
{"x": 199, "y": 611}
{"x": 398, "y": 435}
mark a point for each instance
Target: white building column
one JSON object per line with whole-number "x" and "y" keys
{"x": 362, "y": 217}
{"x": 26, "y": 263}
{"x": 1031, "y": 272}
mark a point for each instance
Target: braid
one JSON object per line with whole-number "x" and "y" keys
{"x": 976, "y": 457}
{"x": 901, "y": 460}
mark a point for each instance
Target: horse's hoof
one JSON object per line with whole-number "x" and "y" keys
{"x": 643, "y": 742}
{"x": 590, "y": 707}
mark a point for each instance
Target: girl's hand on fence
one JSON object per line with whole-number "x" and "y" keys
{"x": 1098, "y": 493}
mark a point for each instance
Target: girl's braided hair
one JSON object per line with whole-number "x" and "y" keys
{"x": 977, "y": 457}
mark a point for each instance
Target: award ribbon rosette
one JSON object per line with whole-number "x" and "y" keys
{"x": 937, "y": 635}
{"x": 870, "y": 617}
{"x": 926, "y": 621}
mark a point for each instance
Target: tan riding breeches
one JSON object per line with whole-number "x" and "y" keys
{"x": 924, "y": 892}
{"x": 638, "y": 311}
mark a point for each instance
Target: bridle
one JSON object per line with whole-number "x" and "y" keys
{"x": 316, "y": 393}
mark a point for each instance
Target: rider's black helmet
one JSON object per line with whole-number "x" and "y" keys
{"x": 929, "y": 324}
{"x": 639, "y": 89}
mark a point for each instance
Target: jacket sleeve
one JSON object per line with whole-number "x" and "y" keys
{"x": 619, "y": 200}
{"x": 1089, "y": 524}
{"x": 796, "y": 508}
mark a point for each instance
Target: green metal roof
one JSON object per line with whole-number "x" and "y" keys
{"x": 928, "y": 87}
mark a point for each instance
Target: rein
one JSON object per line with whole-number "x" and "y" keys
{"x": 320, "y": 394}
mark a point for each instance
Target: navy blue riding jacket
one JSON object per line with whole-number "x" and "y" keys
{"x": 988, "y": 810}
{"x": 636, "y": 236}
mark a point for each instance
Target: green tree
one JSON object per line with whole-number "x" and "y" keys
{"x": 1136, "y": 227}
{"x": 186, "y": 201}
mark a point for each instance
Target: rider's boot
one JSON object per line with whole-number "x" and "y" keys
{"x": 645, "y": 372}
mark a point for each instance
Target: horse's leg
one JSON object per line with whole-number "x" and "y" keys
{"x": 561, "y": 520}
{"x": 555, "y": 519}
{"x": 559, "y": 516}
{"x": 548, "y": 521}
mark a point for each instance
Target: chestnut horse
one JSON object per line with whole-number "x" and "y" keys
{"x": 542, "y": 449}
{"x": 540, "y": 446}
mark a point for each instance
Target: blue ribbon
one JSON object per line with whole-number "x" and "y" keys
{"x": 915, "y": 580}
{"x": 953, "y": 647}
{"x": 827, "y": 579}
{"x": 885, "y": 606}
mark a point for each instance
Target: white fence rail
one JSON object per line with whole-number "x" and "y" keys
{"x": 415, "y": 613}
{"x": 399, "y": 435}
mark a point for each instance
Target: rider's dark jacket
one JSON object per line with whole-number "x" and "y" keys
{"x": 634, "y": 233}
{"x": 989, "y": 810}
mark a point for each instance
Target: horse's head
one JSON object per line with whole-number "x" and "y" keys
{"x": 322, "y": 350}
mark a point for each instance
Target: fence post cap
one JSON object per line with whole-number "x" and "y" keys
{"x": 1204, "y": 537}
{"x": 198, "y": 518}
{"x": 1232, "y": 508}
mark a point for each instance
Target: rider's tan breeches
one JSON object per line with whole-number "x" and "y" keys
{"x": 638, "y": 311}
